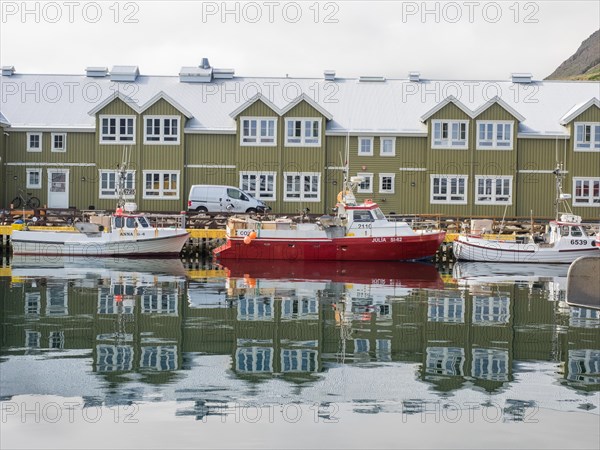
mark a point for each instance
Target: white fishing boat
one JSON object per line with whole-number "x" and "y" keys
{"x": 123, "y": 233}
{"x": 128, "y": 235}
{"x": 564, "y": 240}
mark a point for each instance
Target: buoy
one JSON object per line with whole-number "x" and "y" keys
{"x": 119, "y": 212}
{"x": 341, "y": 195}
{"x": 252, "y": 235}
{"x": 247, "y": 240}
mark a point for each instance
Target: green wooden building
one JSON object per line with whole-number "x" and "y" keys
{"x": 459, "y": 148}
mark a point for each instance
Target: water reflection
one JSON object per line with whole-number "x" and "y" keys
{"x": 388, "y": 337}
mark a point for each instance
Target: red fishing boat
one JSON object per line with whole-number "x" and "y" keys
{"x": 358, "y": 232}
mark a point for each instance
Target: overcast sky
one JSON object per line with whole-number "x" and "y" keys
{"x": 448, "y": 40}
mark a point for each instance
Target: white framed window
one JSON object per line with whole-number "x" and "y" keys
{"x": 299, "y": 360}
{"x": 365, "y": 146}
{"x": 109, "y": 184}
{"x": 366, "y": 187}
{"x": 587, "y": 136}
{"x": 492, "y": 190}
{"x": 161, "y": 184}
{"x": 303, "y": 132}
{"x": 302, "y": 187}
{"x": 449, "y": 361}
{"x": 387, "y": 183}
{"x": 58, "y": 142}
{"x": 448, "y": 189}
{"x": 446, "y": 309}
{"x": 34, "y": 178}
{"x": 258, "y": 131}
{"x": 387, "y": 146}
{"x": 491, "y": 309}
{"x": 34, "y": 142}
{"x": 254, "y": 359}
{"x": 586, "y": 192}
{"x": 117, "y": 129}
{"x": 451, "y": 134}
{"x": 259, "y": 184}
{"x": 490, "y": 364}
{"x": 161, "y": 130}
{"x": 494, "y": 135}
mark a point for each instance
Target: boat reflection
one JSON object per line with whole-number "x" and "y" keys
{"x": 405, "y": 274}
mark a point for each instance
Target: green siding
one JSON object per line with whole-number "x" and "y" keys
{"x": 3, "y": 181}
{"x": 583, "y": 164}
{"x": 531, "y": 191}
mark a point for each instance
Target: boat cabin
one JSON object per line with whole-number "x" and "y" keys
{"x": 367, "y": 219}
{"x": 129, "y": 221}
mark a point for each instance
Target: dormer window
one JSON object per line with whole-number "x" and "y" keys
{"x": 258, "y": 131}
{"x": 115, "y": 129}
{"x": 587, "y": 136}
{"x": 161, "y": 130}
{"x": 494, "y": 135}
{"x": 303, "y": 132}
{"x": 449, "y": 134}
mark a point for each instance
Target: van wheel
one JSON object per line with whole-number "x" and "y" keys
{"x": 201, "y": 209}
{"x": 251, "y": 211}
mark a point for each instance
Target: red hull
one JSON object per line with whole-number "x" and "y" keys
{"x": 405, "y": 274}
{"x": 403, "y": 248}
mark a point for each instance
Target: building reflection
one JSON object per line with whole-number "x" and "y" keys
{"x": 153, "y": 323}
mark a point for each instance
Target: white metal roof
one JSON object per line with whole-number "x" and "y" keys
{"x": 394, "y": 106}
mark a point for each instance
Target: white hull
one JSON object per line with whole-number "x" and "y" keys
{"x": 478, "y": 249}
{"x": 164, "y": 242}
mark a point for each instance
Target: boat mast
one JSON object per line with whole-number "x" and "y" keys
{"x": 122, "y": 177}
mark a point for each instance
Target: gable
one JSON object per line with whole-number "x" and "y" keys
{"x": 496, "y": 112}
{"x": 592, "y": 114}
{"x": 117, "y": 107}
{"x": 303, "y": 109}
{"x": 258, "y": 109}
{"x": 450, "y": 111}
{"x": 162, "y": 108}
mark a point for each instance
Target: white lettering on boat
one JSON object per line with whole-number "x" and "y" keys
{"x": 379, "y": 239}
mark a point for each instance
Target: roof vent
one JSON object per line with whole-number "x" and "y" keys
{"x": 414, "y": 76}
{"x": 205, "y": 64}
{"x": 96, "y": 71}
{"x": 329, "y": 75}
{"x": 371, "y": 79}
{"x": 195, "y": 75}
{"x": 8, "y": 71}
{"x": 124, "y": 73}
{"x": 223, "y": 73}
{"x": 521, "y": 77}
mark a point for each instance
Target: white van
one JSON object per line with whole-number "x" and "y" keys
{"x": 212, "y": 198}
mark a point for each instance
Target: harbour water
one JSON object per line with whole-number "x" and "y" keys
{"x": 148, "y": 354}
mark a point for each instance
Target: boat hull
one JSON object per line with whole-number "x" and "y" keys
{"x": 73, "y": 244}
{"x": 400, "y": 248}
{"x": 483, "y": 250}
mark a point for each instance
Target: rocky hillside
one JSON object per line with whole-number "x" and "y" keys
{"x": 584, "y": 64}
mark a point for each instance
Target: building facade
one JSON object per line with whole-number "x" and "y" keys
{"x": 456, "y": 148}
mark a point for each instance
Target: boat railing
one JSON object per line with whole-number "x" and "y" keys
{"x": 417, "y": 222}
{"x": 166, "y": 220}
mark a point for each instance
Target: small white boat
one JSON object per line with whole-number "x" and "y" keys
{"x": 123, "y": 234}
{"x": 564, "y": 241}
{"x": 128, "y": 235}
